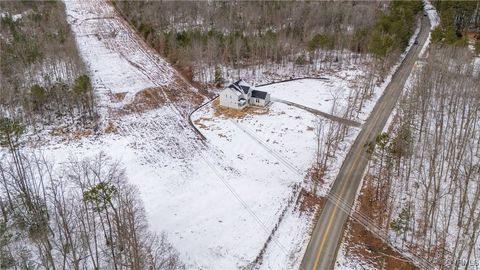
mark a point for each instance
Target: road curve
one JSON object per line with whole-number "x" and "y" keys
{"x": 322, "y": 248}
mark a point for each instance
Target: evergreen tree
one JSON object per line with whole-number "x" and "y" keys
{"x": 38, "y": 96}
{"x": 219, "y": 81}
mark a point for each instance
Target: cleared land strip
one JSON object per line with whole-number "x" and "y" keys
{"x": 341, "y": 120}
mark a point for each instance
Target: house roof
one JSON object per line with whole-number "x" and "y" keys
{"x": 242, "y": 86}
{"x": 259, "y": 94}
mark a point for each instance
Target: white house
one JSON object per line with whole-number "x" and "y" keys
{"x": 240, "y": 94}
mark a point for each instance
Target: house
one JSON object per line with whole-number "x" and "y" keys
{"x": 240, "y": 94}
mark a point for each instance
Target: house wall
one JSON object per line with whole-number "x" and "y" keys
{"x": 267, "y": 99}
{"x": 229, "y": 99}
{"x": 259, "y": 101}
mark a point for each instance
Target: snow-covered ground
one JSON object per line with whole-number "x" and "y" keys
{"x": 14, "y": 17}
{"x": 217, "y": 204}
{"x": 348, "y": 261}
{"x": 219, "y": 201}
{"x": 118, "y": 60}
{"x": 431, "y": 13}
{"x": 348, "y": 62}
{"x": 320, "y": 94}
{"x": 476, "y": 66}
{"x": 279, "y": 143}
{"x": 268, "y": 154}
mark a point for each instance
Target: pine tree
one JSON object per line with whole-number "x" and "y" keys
{"x": 219, "y": 81}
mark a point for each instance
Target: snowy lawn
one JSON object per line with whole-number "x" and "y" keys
{"x": 320, "y": 94}
{"x": 274, "y": 148}
{"x": 268, "y": 154}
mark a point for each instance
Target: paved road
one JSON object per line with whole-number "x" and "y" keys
{"x": 322, "y": 248}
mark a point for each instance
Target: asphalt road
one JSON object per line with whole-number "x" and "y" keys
{"x": 327, "y": 234}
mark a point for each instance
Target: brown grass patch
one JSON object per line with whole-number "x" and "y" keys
{"x": 59, "y": 131}
{"x": 67, "y": 134}
{"x": 147, "y": 99}
{"x": 200, "y": 122}
{"x": 473, "y": 36}
{"x": 178, "y": 93}
{"x": 117, "y": 97}
{"x": 309, "y": 202}
{"x": 183, "y": 94}
{"x": 111, "y": 128}
{"x": 363, "y": 243}
{"x": 233, "y": 113}
{"x": 366, "y": 245}
{"x": 82, "y": 133}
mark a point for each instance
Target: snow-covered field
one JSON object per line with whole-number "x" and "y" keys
{"x": 218, "y": 201}
{"x": 217, "y": 205}
{"x": 278, "y": 146}
{"x": 323, "y": 94}
{"x": 216, "y": 211}
{"x": 118, "y": 60}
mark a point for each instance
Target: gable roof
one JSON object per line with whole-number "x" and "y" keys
{"x": 259, "y": 94}
{"x": 241, "y": 86}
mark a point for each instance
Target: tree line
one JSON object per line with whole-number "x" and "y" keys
{"x": 81, "y": 214}
{"x": 457, "y": 20}
{"x": 43, "y": 78}
{"x": 425, "y": 170}
{"x": 247, "y": 34}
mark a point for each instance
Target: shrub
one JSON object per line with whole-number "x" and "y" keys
{"x": 82, "y": 85}
{"x": 38, "y": 96}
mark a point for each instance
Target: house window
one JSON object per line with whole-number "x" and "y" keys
{"x": 256, "y": 100}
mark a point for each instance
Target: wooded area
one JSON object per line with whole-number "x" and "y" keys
{"x": 81, "y": 214}
{"x": 458, "y": 19}
{"x": 201, "y": 36}
{"x": 43, "y": 79}
{"x": 425, "y": 171}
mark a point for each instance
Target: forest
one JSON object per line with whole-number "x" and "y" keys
{"x": 81, "y": 214}
{"x": 424, "y": 172}
{"x": 200, "y": 37}
{"x": 43, "y": 79}
{"x": 458, "y": 20}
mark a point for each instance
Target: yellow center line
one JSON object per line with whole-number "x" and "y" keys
{"x": 344, "y": 185}
{"x": 330, "y": 221}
